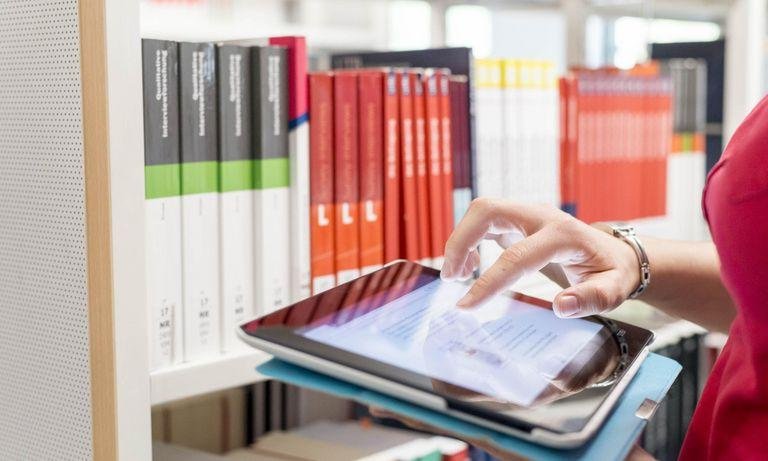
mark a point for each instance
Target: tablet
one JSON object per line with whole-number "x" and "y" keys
{"x": 509, "y": 364}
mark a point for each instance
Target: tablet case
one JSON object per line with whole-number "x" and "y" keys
{"x": 612, "y": 442}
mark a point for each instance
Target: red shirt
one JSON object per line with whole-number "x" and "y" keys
{"x": 731, "y": 421}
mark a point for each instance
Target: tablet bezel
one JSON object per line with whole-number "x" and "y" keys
{"x": 288, "y": 337}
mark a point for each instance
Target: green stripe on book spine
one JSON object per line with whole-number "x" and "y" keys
{"x": 236, "y": 175}
{"x": 199, "y": 177}
{"x": 162, "y": 181}
{"x": 270, "y": 173}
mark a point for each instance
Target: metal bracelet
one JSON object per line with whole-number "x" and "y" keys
{"x": 627, "y": 233}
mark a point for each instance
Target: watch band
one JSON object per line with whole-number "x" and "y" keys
{"x": 627, "y": 233}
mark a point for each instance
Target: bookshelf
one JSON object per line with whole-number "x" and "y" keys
{"x": 205, "y": 376}
{"x": 101, "y": 342}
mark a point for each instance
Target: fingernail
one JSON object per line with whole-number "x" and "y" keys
{"x": 446, "y": 273}
{"x": 568, "y": 306}
{"x": 466, "y": 301}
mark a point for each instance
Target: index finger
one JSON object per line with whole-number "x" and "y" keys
{"x": 527, "y": 256}
{"x": 486, "y": 215}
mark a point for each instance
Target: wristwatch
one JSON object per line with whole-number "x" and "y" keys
{"x": 627, "y": 233}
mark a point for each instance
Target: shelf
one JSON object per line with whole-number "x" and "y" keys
{"x": 195, "y": 378}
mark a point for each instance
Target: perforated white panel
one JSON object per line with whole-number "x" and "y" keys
{"x": 45, "y": 410}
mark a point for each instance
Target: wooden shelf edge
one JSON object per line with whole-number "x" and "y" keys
{"x": 191, "y": 379}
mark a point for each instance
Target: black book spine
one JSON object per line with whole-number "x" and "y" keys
{"x": 199, "y": 130}
{"x": 161, "y": 118}
{"x": 270, "y": 101}
{"x": 235, "y": 152}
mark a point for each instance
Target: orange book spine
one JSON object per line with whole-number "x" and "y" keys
{"x": 446, "y": 150}
{"x": 644, "y": 183}
{"x": 371, "y": 159}
{"x": 434, "y": 165}
{"x": 420, "y": 151}
{"x": 566, "y": 120}
{"x": 583, "y": 144}
{"x": 623, "y": 148}
{"x": 665, "y": 143}
{"x": 392, "y": 187}
{"x": 346, "y": 178}
{"x": 608, "y": 148}
{"x": 321, "y": 182}
{"x": 410, "y": 224}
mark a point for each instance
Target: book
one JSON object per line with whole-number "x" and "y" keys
{"x": 346, "y": 185}
{"x": 321, "y": 182}
{"x": 568, "y": 99}
{"x": 236, "y": 167}
{"x": 446, "y": 150}
{"x": 687, "y": 160}
{"x": 435, "y": 195}
{"x": 392, "y": 180}
{"x": 711, "y": 56}
{"x": 269, "y": 132}
{"x": 530, "y": 136}
{"x": 515, "y": 114}
{"x": 162, "y": 209}
{"x": 550, "y": 135}
{"x": 200, "y": 200}
{"x": 410, "y": 223}
{"x": 458, "y": 60}
{"x": 420, "y": 158}
{"x": 371, "y": 176}
{"x": 489, "y": 160}
{"x": 615, "y": 145}
{"x": 298, "y": 151}
{"x": 458, "y": 86}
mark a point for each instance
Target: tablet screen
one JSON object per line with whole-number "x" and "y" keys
{"x": 511, "y": 357}
{"x": 506, "y": 348}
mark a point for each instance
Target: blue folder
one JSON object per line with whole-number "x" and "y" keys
{"x": 613, "y": 441}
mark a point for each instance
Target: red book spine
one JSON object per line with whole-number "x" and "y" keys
{"x": 371, "y": 107}
{"x": 434, "y": 164}
{"x": 420, "y": 151}
{"x": 392, "y": 188}
{"x": 612, "y": 129}
{"x": 446, "y": 151}
{"x": 642, "y": 150}
{"x": 566, "y": 186}
{"x": 410, "y": 228}
{"x": 665, "y": 144}
{"x": 346, "y": 180}
{"x": 321, "y": 182}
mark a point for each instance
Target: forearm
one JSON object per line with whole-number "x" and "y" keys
{"x": 686, "y": 283}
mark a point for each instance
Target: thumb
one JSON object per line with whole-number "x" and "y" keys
{"x": 593, "y": 296}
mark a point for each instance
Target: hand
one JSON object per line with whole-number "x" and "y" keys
{"x": 601, "y": 269}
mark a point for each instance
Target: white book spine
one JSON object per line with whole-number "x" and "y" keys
{"x": 510, "y": 169}
{"x": 348, "y": 275}
{"x": 298, "y": 139}
{"x": 323, "y": 283}
{"x": 237, "y": 268}
{"x": 271, "y": 237}
{"x": 200, "y": 231}
{"x": 164, "y": 290}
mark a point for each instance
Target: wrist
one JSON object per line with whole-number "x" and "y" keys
{"x": 631, "y": 258}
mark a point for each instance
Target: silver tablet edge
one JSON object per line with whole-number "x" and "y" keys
{"x": 401, "y": 391}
